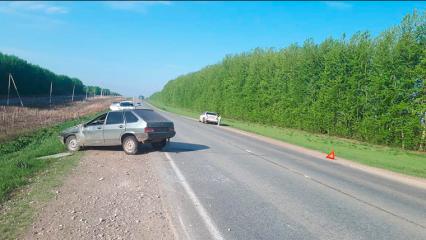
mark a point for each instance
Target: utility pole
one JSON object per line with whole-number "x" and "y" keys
{"x": 72, "y": 98}
{"x": 102, "y": 91}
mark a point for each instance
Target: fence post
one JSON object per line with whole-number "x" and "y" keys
{"x": 8, "y": 91}
{"x": 14, "y": 84}
{"x": 50, "y": 94}
{"x": 72, "y": 98}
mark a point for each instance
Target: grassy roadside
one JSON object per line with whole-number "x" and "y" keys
{"x": 18, "y": 161}
{"x": 26, "y": 183}
{"x": 19, "y": 212}
{"x": 393, "y": 159}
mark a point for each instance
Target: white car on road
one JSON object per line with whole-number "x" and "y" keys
{"x": 124, "y": 105}
{"x": 209, "y": 117}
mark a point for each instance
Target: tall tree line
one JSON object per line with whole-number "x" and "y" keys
{"x": 32, "y": 80}
{"x": 366, "y": 88}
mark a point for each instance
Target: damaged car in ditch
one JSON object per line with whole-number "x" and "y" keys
{"x": 127, "y": 128}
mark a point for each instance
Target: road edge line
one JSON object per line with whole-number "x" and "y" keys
{"x": 211, "y": 226}
{"x": 380, "y": 172}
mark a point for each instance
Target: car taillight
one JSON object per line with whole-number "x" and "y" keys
{"x": 148, "y": 130}
{"x": 172, "y": 129}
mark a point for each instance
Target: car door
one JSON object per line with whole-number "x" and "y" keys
{"x": 93, "y": 131}
{"x": 114, "y": 128}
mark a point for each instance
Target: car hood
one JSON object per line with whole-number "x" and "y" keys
{"x": 74, "y": 129}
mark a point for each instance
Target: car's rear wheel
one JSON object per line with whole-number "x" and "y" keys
{"x": 72, "y": 144}
{"x": 130, "y": 145}
{"x": 159, "y": 145}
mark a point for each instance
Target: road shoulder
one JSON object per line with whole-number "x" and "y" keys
{"x": 109, "y": 195}
{"x": 406, "y": 179}
{"x": 17, "y": 214}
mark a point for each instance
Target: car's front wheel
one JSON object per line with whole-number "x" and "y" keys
{"x": 159, "y": 145}
{"x": 130, "y": 145}
{"x": 72, "y": 144}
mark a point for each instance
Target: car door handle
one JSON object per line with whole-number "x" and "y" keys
{"x": 121, "y": 126}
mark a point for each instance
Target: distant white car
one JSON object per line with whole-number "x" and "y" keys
{"x": 124, "y": 105}
{"x": 209, "y": 117}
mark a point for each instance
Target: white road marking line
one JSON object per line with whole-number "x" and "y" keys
{"x": 211, "y": 227}
{"x": 184, "y": 228}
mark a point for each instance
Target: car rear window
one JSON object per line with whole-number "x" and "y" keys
{"x": 149, "y": 115}
{"x": 126, "y": 104}
{"x": 115, "y": 118}
{"x": 130, "y": 118}
{"x": 211, "y": 113}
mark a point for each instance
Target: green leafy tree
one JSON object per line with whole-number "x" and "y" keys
{"x": 365, "y": 88}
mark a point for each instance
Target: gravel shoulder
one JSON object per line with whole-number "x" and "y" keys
{"x": 109, "y": 195}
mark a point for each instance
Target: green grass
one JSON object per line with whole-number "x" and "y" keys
{"x": 17, "y": 214}
{"x": 27, "y": 183}
{"x": 18, "y": 161}
{"x": 393, "y": 159}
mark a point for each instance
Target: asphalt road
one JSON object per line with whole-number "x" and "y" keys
{"x": 223, "y": 185}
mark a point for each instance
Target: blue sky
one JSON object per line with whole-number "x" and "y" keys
{"x": 136, "y": 47}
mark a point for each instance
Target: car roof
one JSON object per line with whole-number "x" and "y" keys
{"x": 129, "y": 110}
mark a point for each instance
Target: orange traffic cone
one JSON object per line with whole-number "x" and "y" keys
{"x": 331, "y": 155}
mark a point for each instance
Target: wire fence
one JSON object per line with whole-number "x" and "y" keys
{"x": 15, "y": 120}
{"x": 41, "y": 101}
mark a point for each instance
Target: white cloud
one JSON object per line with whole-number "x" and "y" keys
{"x": 39, "y": 15}
{"x": 55, "y": 9}
{"x": 32, "y": 7}
{"x": 338, "y": 5}
{"x": 135, "y": 5}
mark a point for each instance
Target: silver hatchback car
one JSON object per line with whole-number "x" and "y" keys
{"x": 126, "y": 127}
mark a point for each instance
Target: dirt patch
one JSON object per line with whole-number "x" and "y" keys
{"x": 110, "y": 195}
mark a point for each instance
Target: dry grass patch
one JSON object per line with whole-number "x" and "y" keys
{"x": 17, "y": 120}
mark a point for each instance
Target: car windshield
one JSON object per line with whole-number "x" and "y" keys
{"x": 98, "y": 120}
{"x": 126, "y": 104}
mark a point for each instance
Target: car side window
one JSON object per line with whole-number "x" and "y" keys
{"x": 130, "y": 118}
{"x": 98, "y": 121}
{"x": 114, "y": 118}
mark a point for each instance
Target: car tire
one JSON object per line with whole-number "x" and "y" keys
{"x": 72, "y": 144}
{"x": 130, "y": 145}
{"x": 159, "y": 145}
